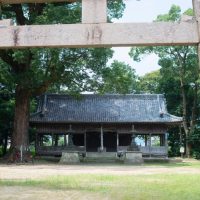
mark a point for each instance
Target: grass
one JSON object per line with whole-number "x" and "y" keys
{"x": 139, "y": 187}
{"x": 175, "y": 164}
{"x": 122, "y": 187}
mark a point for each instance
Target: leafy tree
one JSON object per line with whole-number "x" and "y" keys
{"x": 33, "y": 71}
{"x": 119, "y": 78}
{"x": 179, "y": 76}
{"x": 6, "y": 118}
{"x": 6, "y": 107}
{"x": 194, "y": 140}
{"x": 149, "y": 83}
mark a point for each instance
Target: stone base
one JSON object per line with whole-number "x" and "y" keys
{"x": 133, "y": 157}
{"x": 101, "y": 150}
{"x": 70, "y": 158}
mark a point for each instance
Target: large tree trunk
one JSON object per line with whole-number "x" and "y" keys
{"x": 21, "y": 119}
{"x": 185, "y": 125}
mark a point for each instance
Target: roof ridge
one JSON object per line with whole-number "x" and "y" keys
{"x": 105, "y": 95}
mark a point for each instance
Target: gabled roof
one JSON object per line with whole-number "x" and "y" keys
{"x": 103, "y": 109}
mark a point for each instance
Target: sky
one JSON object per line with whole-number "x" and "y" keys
{"x": 145, "y": 11}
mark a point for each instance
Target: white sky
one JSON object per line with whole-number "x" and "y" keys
{"x": 145, "y": 11}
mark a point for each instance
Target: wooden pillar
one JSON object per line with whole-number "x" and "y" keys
{"x": 94, "y": 11}
{"x": 166, "y": 139}
{"x": 145, "y": 140}
{"x": 166, "y": 142}
{"x": 117, "y": 141}
{"x": 101, "y": 138}
{"x": 196, "y": 8}
{"x": 36, "y": 141}
{"x": 56, "y": 136}
{"x": 85, "y": 140}
{"x": 41, "y": 140}
{"x": 52, "y": 136}
{"x": 162, "y": 139}
{"x": 65, "y": 140}
{"x": 150, "y": 145}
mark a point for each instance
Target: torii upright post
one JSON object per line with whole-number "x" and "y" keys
{"x": 196, "y": 8}
{"x": 94, "y": 12}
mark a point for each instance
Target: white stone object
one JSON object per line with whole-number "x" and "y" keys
{"x": 70, "y": 158}
{"x": 133, "y": 157}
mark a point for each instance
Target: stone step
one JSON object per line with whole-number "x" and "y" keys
{"x": 101, "y": 155}
{"x": 100, "y": 160}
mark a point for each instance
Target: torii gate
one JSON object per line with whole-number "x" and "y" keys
{"x": 94, "y": 31}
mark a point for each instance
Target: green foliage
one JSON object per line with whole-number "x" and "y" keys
{"x": 194, "y": 140}
{"x": 173, "y": 14}
{"x": 149, "y": 83}
{"x": 35, "y": 71}
{"x": 6, "y": 105}
{"x": 174, "y": 142}
{"x": 116, "y": 8}
{"x": 178, "y": 78}
{"x": 6, "y": 118}
{"x": 119, "y": 78}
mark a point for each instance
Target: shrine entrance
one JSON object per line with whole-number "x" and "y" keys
{"x": 110, "y": 141}
{"x": 93, "y": 141}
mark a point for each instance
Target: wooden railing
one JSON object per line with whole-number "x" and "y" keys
{"x": 160, "y": 150}
{"x": 57, "y": 150}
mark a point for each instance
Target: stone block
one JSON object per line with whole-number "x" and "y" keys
{"x": 133, "y": 157}
{"x": 70, "y": 158}
{"x": 94, "y": 11}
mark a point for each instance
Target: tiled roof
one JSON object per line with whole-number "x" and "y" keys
{"x": 103, "y": 108}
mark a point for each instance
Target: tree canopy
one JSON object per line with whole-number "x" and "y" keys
{"x": 118, "y": 78}
{"x": 31, "y": 72}
{"x": 179, "y": 76}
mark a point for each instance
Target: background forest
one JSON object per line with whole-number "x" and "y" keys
{"x": 26, "y": 74}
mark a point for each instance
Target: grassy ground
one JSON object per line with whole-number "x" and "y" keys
{"x": 158, "y": 186}
{"x": 162, "y": 187}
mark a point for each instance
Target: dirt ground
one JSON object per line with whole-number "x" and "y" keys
{"x": 44, "y": 170}
{"x": 30, "y": 193}
{"x": 39, "y": 171}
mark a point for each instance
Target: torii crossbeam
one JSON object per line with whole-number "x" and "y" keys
{"x": 96, "y": 32}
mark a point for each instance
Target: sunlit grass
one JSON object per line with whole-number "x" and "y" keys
{"x": 186, "y": 163}
{"x": 133, "y": 187}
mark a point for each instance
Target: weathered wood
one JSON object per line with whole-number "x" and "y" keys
{"x": 196, "y": 8}
{"x": 6, "y": 22}
{"x": 102, "y": 146}
{"x": 33, "y": 1}
{"x": 162, "y": 150}
{"x": 94, "y": 11}
{"x": 100, "y": 35}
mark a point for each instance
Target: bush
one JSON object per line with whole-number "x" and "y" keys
{"x": 194, "y": 140}
{"x": 196, "y": 155}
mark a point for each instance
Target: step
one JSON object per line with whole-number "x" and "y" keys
{"x": 101, "y": 155}
{"x": 99, "y": 160}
